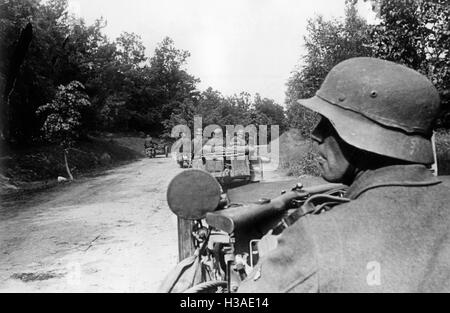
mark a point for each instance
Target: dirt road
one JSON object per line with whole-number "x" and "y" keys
{"x": 110, "y": 233}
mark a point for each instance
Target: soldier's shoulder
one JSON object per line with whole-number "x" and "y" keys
{"x": 387, "y": 202}
{"x": 336, "y": 211}
{"x": 332, "y": 222}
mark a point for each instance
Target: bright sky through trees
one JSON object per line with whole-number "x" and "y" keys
{"x": 235, "y": 45}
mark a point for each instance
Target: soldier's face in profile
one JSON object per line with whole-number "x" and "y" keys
{"x": 332, "y": 160}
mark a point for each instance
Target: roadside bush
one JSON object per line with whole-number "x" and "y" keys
{"x": 443, "y": 151}
{"x": 297, "y": 154}
{"x": 302, "y": 164}
{"x": 40, "y": 163}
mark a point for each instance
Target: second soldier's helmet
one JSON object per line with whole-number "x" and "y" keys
{"x": 380, "y": 107}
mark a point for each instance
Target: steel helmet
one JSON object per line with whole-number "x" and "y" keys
{"x": 381, "y": 107}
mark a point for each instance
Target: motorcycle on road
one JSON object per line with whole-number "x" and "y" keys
{"x": 150, "y": 152}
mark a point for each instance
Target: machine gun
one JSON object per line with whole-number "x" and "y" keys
{"x": 226, "y": 234}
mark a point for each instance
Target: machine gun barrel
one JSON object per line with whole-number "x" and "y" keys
{"x": 233, "y": 218}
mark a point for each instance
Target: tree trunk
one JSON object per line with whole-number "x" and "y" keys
{"x": 10, "y": 79}
{"x": 67, "y": 165}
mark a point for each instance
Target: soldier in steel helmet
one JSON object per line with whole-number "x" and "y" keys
{"x": 393, "y": 235}
{"x": 215, "y": 145}
{"x": 148, "y": 142}
{"x": 197, "y": 144}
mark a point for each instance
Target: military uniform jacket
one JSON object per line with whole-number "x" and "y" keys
{"x": 148, "y": 143}
{"x": 392, "y": 237}
{"x": 197, "y": 146}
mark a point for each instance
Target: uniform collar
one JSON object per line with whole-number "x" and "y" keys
{"x": 395, "y": 175}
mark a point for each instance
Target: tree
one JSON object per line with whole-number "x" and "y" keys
{"x": 170, "y": 81}
{"x": 416, "y": 33}
{"x": 273, "y": 111}
{"x": 63, "y": 117}
{"x": 238, "y": 109}
{"x": 127, "y": 90}
{"x": 8, "y": 81}
{"x": 209, "y": 106}
{"x": 327, "y": 43}
{"x": 183, "y": 114}
{"x": 32, "y": 82}
{"x": 130, "y": 49}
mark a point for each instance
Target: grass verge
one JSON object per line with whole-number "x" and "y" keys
{"x": 39, "y": 166}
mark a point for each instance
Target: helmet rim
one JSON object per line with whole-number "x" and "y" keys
{"x": 366, "y": 134}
